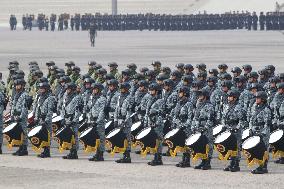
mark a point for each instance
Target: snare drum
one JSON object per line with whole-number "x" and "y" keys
{"x": 83, "y": 126}
{"x": 276, "y": 141}
{"x": 39, "y": 137}
{"x": 245, "y": 134}
{"x": 255, "y": 151}
{"x": 175, "y": 139}
{"x": 226, "y": 145}
{"x": 90, "y": 139}
{"x": 116, "y": 140}
{"x": 13, "y": 133}
{"x": 135, "y": 129}
{"x": 56, "y": 124}
{"x": 198, "y": 143}
{"x": 148, "y": 140}
{"x": 65, "y": 138}
{"x": 218, "y": 130}
{"x": 109, "y": 126}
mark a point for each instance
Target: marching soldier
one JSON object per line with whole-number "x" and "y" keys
{"x": 19, "y": 113}
{"x": 182, "y": 116}
{"x": 43, "y": 108}
{"x": 75, "y": 76}
{"x": 203, "y": 122}
{"x": 96, "y": 117}
{"x": 123, "y": 105}
{"x": 154, "y": 119}
{"x": 2, "y": 108}
{"x": 259, "y": 123}
{"x": 233, "y": 118}
{"x": 71, "y": 111}
{"x": 157, "y": 67}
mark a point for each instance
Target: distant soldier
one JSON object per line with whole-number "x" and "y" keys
{"x": 93, "y": 33}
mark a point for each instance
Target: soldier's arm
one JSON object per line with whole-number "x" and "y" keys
{"x": 50, "y": 108}
{"x": 102, "y": 105}
{"x": 210, "y": 116}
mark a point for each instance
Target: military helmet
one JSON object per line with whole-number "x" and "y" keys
{"x": 226, "y": 83}
{"x": 124, "y": 85}
{"x": 188, "y": 67}
{"x": 161, "y": 77}
{"x": 83, "y": 77}
{"x": 185, "y": 90}
{"x": 201, "y": 66}
{"x": 132, "y": 66}
{"x": 262, "y": 95}
{"x": 156, "y": 63}
{"x": 213, "y": 71}
{"x": 97, "y": 66}
{"x": 112, "y": 82}
{"x": 20, "y": 72}
{"x": 234, "y": 93}
{"x": 150, "y": 73}
{"x": 226, "y": 76}
{"x": 144, "y": 70}
{"x": 222, "y": 66}
{"x": 281, "y": 75}
{"x": 59, "y": 70}
{"x": 89, "y": 80}
{"x": 33, "y": 63}
{"x": 176, "y": 73}
{"x": 19, "y": 82}
{"x": 255, "y": 86}
{"x": 236, "y": 70}
{"x": 43, "y": 80}
{"x": 166, "y": 70}
{"x": 76, "y": 69}
{"x": 138, "y": 76}
{"x": 274, "y": 79}
{"x": 53, "y": 67}
{"x": 247, "y": 67}
{"x": 280, "y": 85}
{"x": 126, "y": 72}
{"x": 44, "y": 85}
{"x": 240, "y": 79}
{"x": 14, "y": 63}
{"x": 97, "y": 86}
{"x": 204, "y": 92}
{"x": 71, "y": 86}
{"x": 65, "y": 79}
{"x": 212, "y": 79}
{"x": 187, "y": 78}
{"x": 263, "y": 72}
{"x": 270, "y": 67}
{"x": 70, "y": 64}
{"x": 253, "y": 75}
{"x": 154, "y": 86}
{"x": 112, "y": 64}
{"x": 169, "y": 82}
{"x": 92, "y": 63}
{"x": 202, "y": 74}
{"x": 143, "y": 83}
{"x": 197, "y": 83}
{"x": 17, "y": 76}
{"x": 101, "y": 71}
{"x": 109, "y": 76}
{"x": 180, "y": 65}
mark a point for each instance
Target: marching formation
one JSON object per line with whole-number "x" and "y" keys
{"x": 235, "y": 112}
{"x": 156, "y": 22}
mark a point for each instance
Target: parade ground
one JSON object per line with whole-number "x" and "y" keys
{"x": 234, "y": 48}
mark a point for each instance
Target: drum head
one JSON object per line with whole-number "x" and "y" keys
{"x": 275, "y": 136}
{"x": 9, "y": 127}
{"x": 143, "y": 133}
{"x": 85, "y": 132}
{"x": 251, "y": 142}
{"x": 192, "y": 139}
{"x": 171, "y": 133}
{"x": 108, "y": 124}
{"x": 135, "y": 126}
{"x": 245, "y": 134}
{"x": 217, "y": 129}
{"x": 56, "y": 119}
{"x": 81, "y": 118}
{"x": 54, "y": 115}
{"x": 31, "y": 114}
{"x": 113, "y": 132}
{"x": 34, "y": 131}
{"x": 222, "y": 137}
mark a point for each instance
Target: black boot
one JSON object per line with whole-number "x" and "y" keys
{"x": 157, "y": 160}
{"x": 0, "y": 148}
{"x": 207, "y": 164}
{"x": 45, "y": 153}
{"x": 280, "y": 161}
{"x": 98, "y": 157}
{"x": 265, "y": 170}
{"x": 232, "y": 162}
{"x": 236, "y": 166}
{"x": 258, "y": 170}
{"x": 24, "y": 151}
{"x": 72, "y": 154}
{"x": 18, "y": 151}
{"x": 185, "y": 161}
{"x": 125, "y": 159}
{"x": 202, "y": 163}
{"x": 167, "y": 153}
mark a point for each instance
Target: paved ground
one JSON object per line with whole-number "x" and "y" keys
{"x": 211, "y": 47}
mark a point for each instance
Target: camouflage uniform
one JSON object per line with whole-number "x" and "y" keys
{"x": 2, "y": 102}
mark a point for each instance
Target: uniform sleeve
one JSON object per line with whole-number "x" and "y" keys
{"x": 210, "y": 116}
{"x": 23, "y": 106}
{"x": 102, "y": 104}
{"x": 50, "y": 108}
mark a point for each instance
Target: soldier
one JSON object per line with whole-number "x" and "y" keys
{"x": 132, "y": 68}
{"x": 252, "y": 78}
{"x": 167, "y": 71}
{"x": 2, "y": 85}
{"x": 75, "y": 76}
{"x": 182, "y": 116}
{"x": 188, "y": 70}
{"x": 201, "y": 76}
{"x": 259, "y": 123}
{"x": 187, "y": 81}
{"x": 52, "y": 77}
{"x": 124, "y": 103}
{"x": 87, "y": 94}
{"x": 71, "y": 111}
{"x": 69, "y": 66}
{"x": 169, "y": 96}
{"x": 262, "y": 21}
{"x": 201, "y": 68}
{"x": 113, "y": 70}
{"x": 211, "y": 84}
{"x": 112, "y": 86}
{"x": 143, "y": 70}
{"x": 254, "y": 21}
{"x": 280, "y": 125}
{"x": 138, "y": 97}
{"x": 233, "y": 118}
{"x": 72, "y": 23}
{"x": 19, "y": 114}
{"x": 91, "y": 67}
{"x": 275, "y": 105}
{"x": 180, "y": 67}
{"x": 203, "y": 121}
{"x": 2, "y": 108}
{"x": 96, "y": 117}
{"x": 101, "y": 75}
{"x": 222, "y": 69}
{"x": 263, "y": 77}
{"x": 247, "y": 69}
{"x": 43, "y": 108}
{"x": 176, "y": 78}
{"x": 270, "y": 69}
{"x": 157, "y": 67}
{"x": 236, "y": 73}
{"x": 213, "y": 72}
{"x": 272, "y": 88}
{"x": 153, "y": 118}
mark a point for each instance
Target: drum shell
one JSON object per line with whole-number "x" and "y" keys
{"x": 118, "y": 139}
{"x": 256, "y": 152}
{"x": 230, "y": 144}
{"x": 243, "y": 137}
{"x": 14, "y": 136}
{"x": 176, "y": 140}
{"x": 199, "y": 147}
{"x": 90, "y": 138}
{"x": 149, "y": 140}
{"x": 38, "y": 138}
{"x": 135, "y": 132}
{"x": 221, "y": 131}
{"x": 278, "y": 145}
{"x": 65, "y": 134}
{"x": 109, "y": 128}
{"x": 56, "y": 126}
{"x": 167, "y": 127}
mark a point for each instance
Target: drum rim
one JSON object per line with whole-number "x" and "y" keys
{"x": 112, "y": 131}
{"x": 61, "y": 129}
{"x": 136, "y": 126}
{"x": 220, "y": 125}
{"x": 278, "y": 130}
{"x": 83, "y": 132}
{"x": 108, "y": 124}
{"x": 243, "y": 145}
{"x": 176, "y": 129}
{"x": 246, "y": 130}
{"x": 31, "y": 114}
{"x": 221, "y": 134}
{"x": 186, "y": 141}
{"x": 147, "y": 128}
{"x": 14, "y": 123}
{"x": 39, "y": 126}
{"x": 61, "y": 118}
